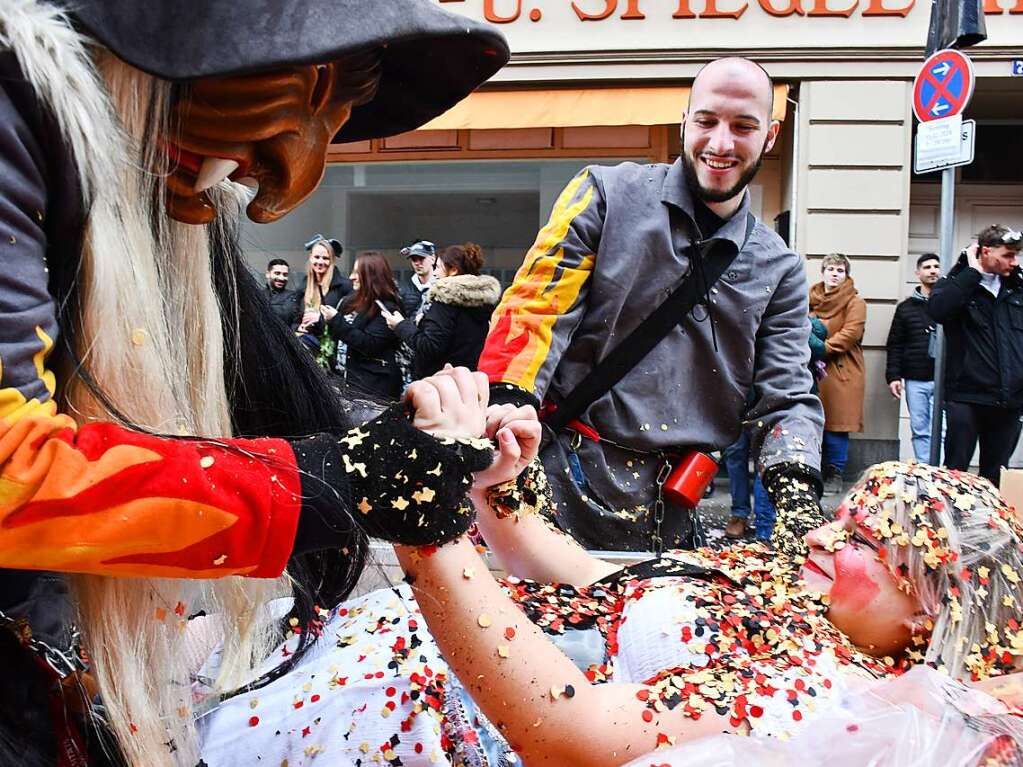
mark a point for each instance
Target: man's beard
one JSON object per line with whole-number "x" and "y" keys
{"x": 711, "y": 195}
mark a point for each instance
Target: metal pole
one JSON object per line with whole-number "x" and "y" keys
{"x": 948, "y": 258}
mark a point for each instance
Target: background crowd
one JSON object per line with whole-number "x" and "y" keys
{"x": 376, "y": 335}
{"x": 980, "y": 306}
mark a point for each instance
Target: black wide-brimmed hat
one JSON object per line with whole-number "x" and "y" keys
{"x": 431, "y": 59}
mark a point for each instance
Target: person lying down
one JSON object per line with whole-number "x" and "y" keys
{"x": 890, "y": 635}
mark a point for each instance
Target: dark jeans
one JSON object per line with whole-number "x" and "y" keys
{"x": 997, "y": 428}
{"x": 737, "y": 460}
{"x": 836, "y": 449}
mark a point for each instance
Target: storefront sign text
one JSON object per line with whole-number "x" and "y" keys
{"x": 508, "y": 11}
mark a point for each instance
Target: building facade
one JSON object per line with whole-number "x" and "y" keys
{"x": 606, "y": 80}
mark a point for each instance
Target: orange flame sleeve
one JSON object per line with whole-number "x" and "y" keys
{"x": 547, "y": 285}
{"x": 106, "y": 500}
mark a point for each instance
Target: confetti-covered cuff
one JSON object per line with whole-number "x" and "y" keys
{"x": 527, "y": 494}
{"x": 401, "y": 484}
{"x": 794, "y": 489}
{"x": 798, "y": 470}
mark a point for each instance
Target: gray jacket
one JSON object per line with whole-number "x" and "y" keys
{"x": 614, "y": 248}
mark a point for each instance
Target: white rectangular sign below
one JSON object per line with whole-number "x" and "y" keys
{"x": 944, "y": 143}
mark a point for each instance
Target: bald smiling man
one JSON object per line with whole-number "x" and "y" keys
{"x": 619, "y": 240}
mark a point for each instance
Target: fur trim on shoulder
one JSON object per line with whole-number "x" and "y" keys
{"x": 55, "y": 60}
{"x": 467, "y": 290}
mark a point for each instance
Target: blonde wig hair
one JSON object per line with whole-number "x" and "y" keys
{"x": 952, "y": 540}
{"x": 316, "y": 289}
{"x": 149, "y": 333}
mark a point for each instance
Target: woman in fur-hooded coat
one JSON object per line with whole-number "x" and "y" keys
{"x": 454, "y": 326}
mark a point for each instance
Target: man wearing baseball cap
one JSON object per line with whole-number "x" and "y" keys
{"x": 422, "y": 255}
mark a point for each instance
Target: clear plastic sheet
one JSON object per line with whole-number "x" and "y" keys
{"x": 922, "y": 719}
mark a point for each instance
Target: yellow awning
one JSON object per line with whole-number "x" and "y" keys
{"x": 574, "y": 107}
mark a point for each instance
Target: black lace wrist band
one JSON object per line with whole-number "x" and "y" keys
{"x": 402, "y": 484}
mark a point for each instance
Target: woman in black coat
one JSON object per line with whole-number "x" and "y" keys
{"x": 454, "y": 325}
{"x": 366, "y": 346}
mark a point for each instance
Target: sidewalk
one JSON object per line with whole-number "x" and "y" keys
{"x": 717, "y": 510}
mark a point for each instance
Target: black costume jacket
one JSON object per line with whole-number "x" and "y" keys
{"x": 909, "y": 341}
{"x": 985, "y": 337}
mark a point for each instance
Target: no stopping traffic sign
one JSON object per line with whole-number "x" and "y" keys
{"x": 943, "y": 86}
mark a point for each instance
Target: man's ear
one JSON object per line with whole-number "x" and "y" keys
{"x": 772, "y": 135}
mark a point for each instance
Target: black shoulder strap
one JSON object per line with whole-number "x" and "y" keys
{"x": 641, "y": 341}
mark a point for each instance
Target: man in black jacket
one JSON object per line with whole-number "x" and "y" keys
{"x": 980, "y": 305}
{"x": 285, "y": 304}
{"x": 422, "y": 256}
{"x": 910, "y": 366}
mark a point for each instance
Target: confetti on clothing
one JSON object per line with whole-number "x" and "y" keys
{"x": 375, "y": 690}
{"x": 727, "y": 631}
{"x": 370, "y": 692}
{"x": 745, "y": 642}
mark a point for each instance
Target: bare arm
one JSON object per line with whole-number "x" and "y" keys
{"x": 542, "y": 703}
{"x": 530, "y": 547}
{"x": 526, "y": 543}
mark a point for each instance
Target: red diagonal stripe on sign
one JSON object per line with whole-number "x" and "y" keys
{"x": 940, "y": 90}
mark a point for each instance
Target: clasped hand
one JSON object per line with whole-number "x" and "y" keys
{"x": 454, "y": 404}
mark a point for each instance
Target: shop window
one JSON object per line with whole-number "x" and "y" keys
{"x": 997, "y": 157}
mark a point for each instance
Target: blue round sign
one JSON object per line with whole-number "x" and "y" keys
{"x": 943, "y": 86}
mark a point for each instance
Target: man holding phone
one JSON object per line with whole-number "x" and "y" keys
{"x": 980, "y": 306}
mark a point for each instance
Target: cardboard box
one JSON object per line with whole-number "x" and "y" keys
{"x": 1011, "y": 486}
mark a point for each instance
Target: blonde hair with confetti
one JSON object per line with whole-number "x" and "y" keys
{"x": 952, "y": 540}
